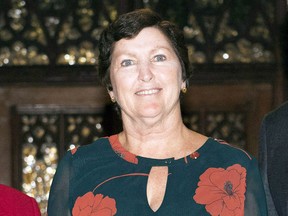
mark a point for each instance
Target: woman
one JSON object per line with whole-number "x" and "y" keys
{"x": 156, "y": 165}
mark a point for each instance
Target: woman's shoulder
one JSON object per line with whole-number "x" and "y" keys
{"x": 97, "y": 146}
{"x": 95, "y": 153}
{"x": 228, "y": 151}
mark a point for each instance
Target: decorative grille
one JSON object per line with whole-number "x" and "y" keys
{"x": 66, "y": 32}
{"x": 40, "y": 135}
{"x": 228, "y": 126}
{"x": 45, "y": 135}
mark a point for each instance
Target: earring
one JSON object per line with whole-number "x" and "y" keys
{"x": 184, "y": 90}
{"x": 113, "y": 99}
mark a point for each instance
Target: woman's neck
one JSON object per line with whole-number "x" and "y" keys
{"x": 169, "y": 142}
{"x": 163, "y": 136}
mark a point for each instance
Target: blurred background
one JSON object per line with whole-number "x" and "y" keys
{"x": 50, "y": 97}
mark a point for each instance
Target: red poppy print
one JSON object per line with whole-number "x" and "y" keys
{"x": 90, "y": 205}
{"x": 222, "y": 191}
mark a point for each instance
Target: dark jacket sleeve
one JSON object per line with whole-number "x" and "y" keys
{"x": 273, "y": 159}
{"x": 263, "y": 169}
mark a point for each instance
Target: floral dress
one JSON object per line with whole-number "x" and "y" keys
{"x": 103, "y": 179}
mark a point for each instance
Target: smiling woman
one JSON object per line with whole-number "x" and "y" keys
{"x": 146, "y": 81}
{"x": 156, "y": 165}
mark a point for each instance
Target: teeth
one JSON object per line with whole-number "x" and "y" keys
{"x": 148, "y": 92}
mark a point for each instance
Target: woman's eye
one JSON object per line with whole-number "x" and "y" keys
{"x": 126, "y": 63}
{"x": 159, "y": 58}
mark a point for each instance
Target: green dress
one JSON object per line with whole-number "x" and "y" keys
{"x": 103, "y": 178}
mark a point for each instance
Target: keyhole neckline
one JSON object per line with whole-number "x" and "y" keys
{"x": 139, "y": 160}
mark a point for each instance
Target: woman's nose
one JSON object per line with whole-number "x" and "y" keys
{"x": 145, "y": 73}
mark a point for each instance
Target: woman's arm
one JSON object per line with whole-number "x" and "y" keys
{"x": 58, "y": 202}
{"x": 255, "y": 201}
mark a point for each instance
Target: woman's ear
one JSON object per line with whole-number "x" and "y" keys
{"x": 184, "y": 84}
{"x": 112, "y": 96}
{"x": 183, "y": 87}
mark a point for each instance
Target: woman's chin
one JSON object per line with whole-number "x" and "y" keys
{"x": 150, "y": 114}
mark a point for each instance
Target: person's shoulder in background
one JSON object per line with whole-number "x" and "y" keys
{"x": 16, "y": 203}
{"x": 279, "y": 111}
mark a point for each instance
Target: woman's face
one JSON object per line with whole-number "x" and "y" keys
{"x": 146, "y": 75}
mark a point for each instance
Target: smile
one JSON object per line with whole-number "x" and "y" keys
{"x": 148, "y": 92}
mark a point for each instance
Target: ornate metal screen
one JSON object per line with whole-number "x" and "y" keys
{"x": 40, "y": 136}
{"x": 229, "y": 126}
{"x": 45, "y": 134}
{"x": 65, "y": 32}
{"x": 224, "y": 31}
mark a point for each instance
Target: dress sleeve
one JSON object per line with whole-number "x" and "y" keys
{"x": 58, "y": 202}
{"x": 255, "y": 202}
{"x": 263, "y": 169}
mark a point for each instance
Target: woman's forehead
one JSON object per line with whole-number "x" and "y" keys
{"x": 148, "y": 38}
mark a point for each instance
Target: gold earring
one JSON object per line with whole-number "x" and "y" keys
{"x": 184, "y": 90}
{"x": 113, "y": 99}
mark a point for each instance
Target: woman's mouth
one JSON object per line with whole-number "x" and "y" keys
{"x": 147, "y": 92}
